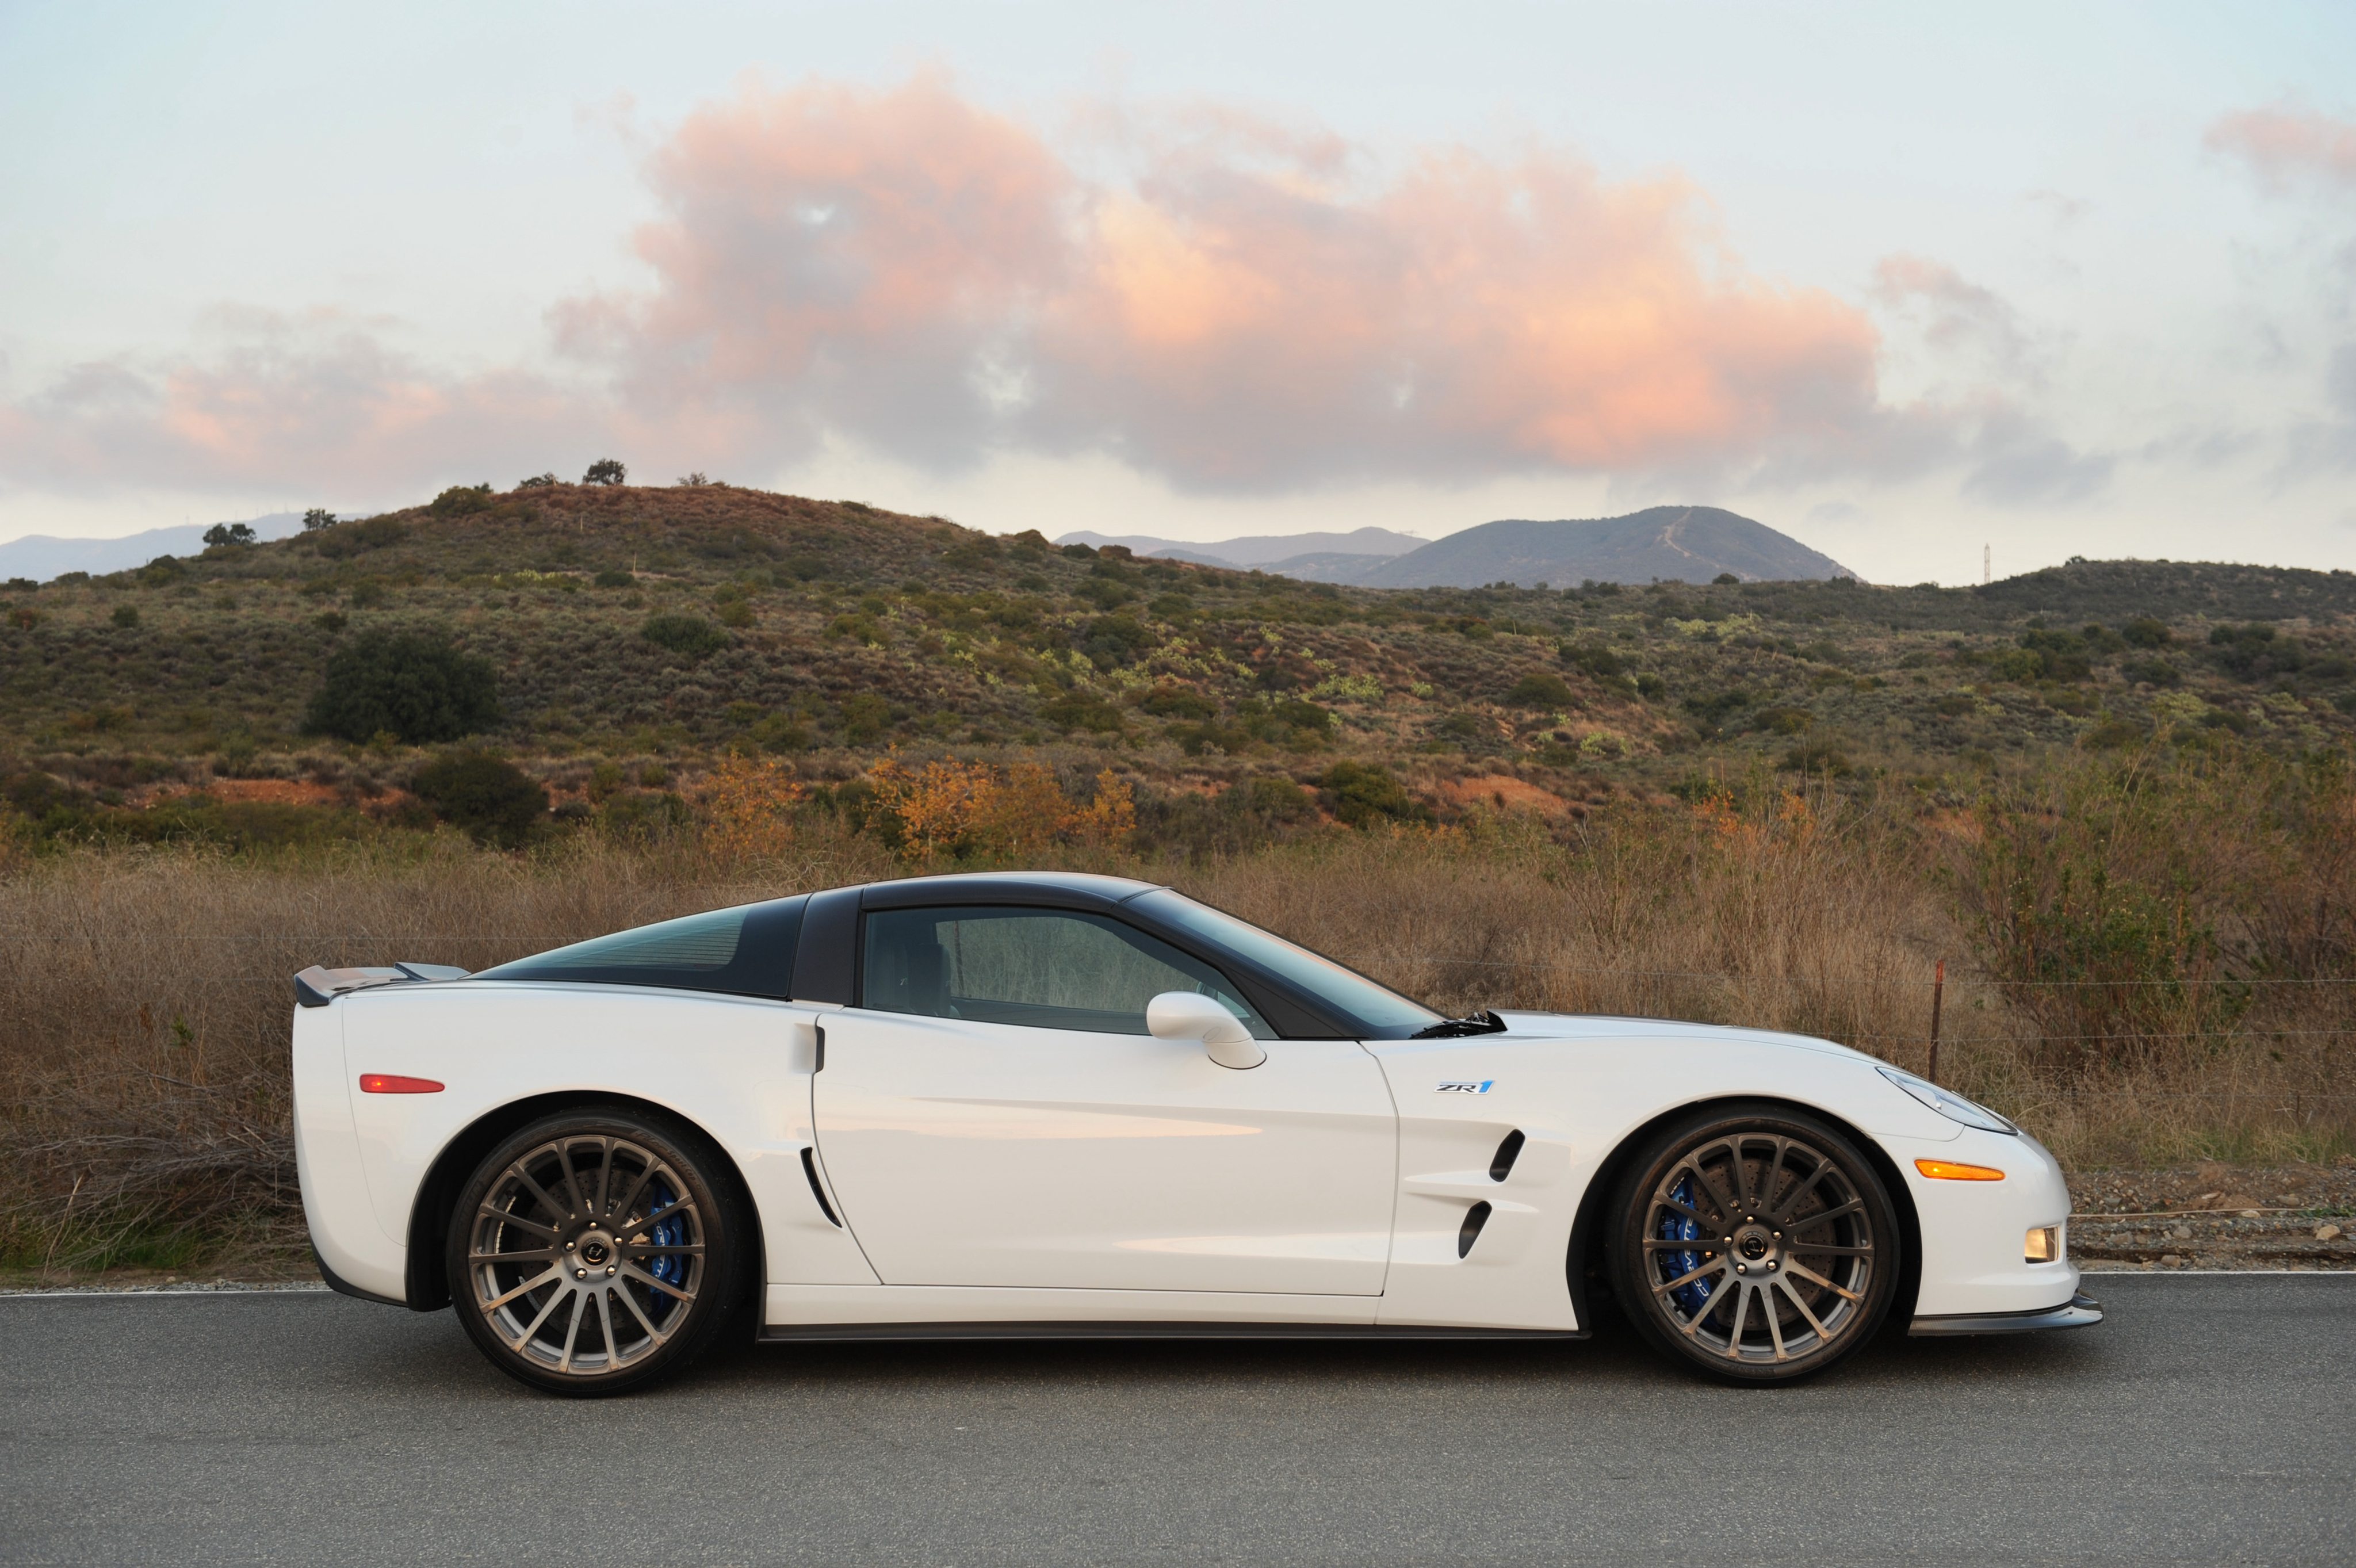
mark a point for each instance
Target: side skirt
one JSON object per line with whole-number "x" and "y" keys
{"x": 820, "y": 1332}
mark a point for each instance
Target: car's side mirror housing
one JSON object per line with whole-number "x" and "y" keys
{"x": 1190, "y": 1015}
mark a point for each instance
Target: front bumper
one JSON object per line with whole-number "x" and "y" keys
{"x": 2081, "y": 1311}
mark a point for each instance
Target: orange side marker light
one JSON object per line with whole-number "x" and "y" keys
{"x": 1950, "y": 1170}
{"x": 393, "y": 1083}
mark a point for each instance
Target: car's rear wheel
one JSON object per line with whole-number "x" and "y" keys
{"x": 595, "y": 1252}
{"x": 1755, "y": 1243}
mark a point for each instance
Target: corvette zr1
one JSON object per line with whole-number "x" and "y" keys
{"x": 1069, "y": 1105}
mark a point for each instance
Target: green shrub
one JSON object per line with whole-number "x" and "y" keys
{"x": 414, "y": 685}
{"x": 605, "y": 471}
{"x": 1539, "y": 690}
{"x": 1365, "y": 794}
{"x": 2145, "y": 631}
{"x": 689, "y": 636}
{"x": 613, "y": 578}
{"x": 1077, "y": 710}
{"x": 492, "y": 798}
{"x": 126, "y": 615}
{"x": 228, "y": 534}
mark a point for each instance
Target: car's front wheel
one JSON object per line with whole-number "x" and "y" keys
{"x": 1755, "y": 1243}
{"x": 594, "y": 1251}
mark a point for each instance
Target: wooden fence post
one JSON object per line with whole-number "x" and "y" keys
{"x": 1938, "y": 995}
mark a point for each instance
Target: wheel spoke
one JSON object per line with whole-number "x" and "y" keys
{"x": 1809, "y": 1222}
{"x": 1655, "y": 1244}
{"x": 646, "y": 1174}
{"x": 684, "y": 1207}
{"x": 538, "y": 1191}
{"x": 1687, "y": 1278}
{"x": 508, "y": 1257}
{"x": 508, "y": 1217}
{"x": 687, "y": 1250}
{"x": 1768, "y": 1175}
{"x": 573, "y": 1333}
{"x": 1812, "y": 1277}
{"x": 572, "y": 1180}
{"x": 553, "y": 1272}
{"x": 1798, "y": 1194}
{"x": 555, "y": 1297}
{"x": 605, "y": 1176}
{"x": 1775, "y": 1318}
{"x": 1741, "y": 1306}
{"x": 1816, "y": 1248}
{"x": 631, "y": 1272}
{"x": 1727, "y": 1209}
{"x": 1823, "y": 1335}
{"x": 655, "y": 1336}
{"x": 605, "y": 1325}
{"x": 1687, "y": 1209}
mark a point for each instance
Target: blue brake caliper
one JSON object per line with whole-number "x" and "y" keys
{"x": 1675, "y": 1227}
{"x": 668, "y": 1267}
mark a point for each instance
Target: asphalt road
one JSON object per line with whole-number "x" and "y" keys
{"x": 2211, "y": 1420}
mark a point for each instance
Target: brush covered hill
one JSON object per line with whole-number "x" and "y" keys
{"x": 634, "y": 633}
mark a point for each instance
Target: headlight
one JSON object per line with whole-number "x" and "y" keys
{"x": 1954, "y": 1107}
{"x": 2044, "y": 1245}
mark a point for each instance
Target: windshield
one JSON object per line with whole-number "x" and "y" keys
{"x": 1349, "y": 993}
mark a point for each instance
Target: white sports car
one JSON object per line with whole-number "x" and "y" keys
{"x": 1066, "y": 1105}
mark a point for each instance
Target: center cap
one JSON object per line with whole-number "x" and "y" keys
{"x": 1753, "y": 1245}
{"x": 594, "y": 1253}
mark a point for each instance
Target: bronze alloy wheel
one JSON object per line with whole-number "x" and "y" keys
{"x": 1759, "y": 1246}
{"x": 591, "y": 1253}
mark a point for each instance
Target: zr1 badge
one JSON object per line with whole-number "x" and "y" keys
{"x": 1467, "y": 1087}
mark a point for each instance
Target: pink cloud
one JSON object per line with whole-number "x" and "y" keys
{"x": 1214, "y": 297}
{"x": 2284, "y": 145}
{"x": 1233, "y": 312}
{"x": 318, "y": 400}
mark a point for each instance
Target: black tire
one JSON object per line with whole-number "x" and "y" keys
{"x": 1754, "y": 1242}
{"x": 598, "y": 1250}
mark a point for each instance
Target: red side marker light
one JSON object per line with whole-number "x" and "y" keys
{"x": 393, "y": 1083}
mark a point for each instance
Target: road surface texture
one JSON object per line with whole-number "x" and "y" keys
{"x": 2213, "y": 1419}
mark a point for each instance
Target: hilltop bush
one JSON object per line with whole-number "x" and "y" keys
{"x": 415, "y": 686}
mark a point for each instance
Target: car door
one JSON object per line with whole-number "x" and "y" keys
{"x": 993, "y": 1112}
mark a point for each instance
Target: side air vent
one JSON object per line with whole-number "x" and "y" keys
{"x": 1474, "y": 1217}
{"x": 809, "y": 1169}
{"x": 1508, "y": 1152}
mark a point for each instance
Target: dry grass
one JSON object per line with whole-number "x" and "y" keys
{"x": 145, "y": 1008}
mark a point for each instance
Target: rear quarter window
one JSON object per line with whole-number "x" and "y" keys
{"x": 747, "y": 951}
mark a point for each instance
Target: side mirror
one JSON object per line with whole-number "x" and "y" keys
{"x": 1190, "y": 1015}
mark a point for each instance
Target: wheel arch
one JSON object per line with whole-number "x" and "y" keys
{"x": 427, "y": 1282}
{"x": 1585, "y": 1263}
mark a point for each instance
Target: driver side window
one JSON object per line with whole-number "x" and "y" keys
{"x": 1042, "y": 969}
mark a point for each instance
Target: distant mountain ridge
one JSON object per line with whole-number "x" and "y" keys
{"x": 1668, "y": 543}
{"x": 41, "y": 556}
{"x": 1259, "y": 549}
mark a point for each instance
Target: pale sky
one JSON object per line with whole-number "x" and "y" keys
{"x": 1901, "y": 283}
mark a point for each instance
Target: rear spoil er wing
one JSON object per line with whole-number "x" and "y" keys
{"x": 317, "y": 986}
{"x": 2081, "y": 1311}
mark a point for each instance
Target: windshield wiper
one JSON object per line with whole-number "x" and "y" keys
{"x": 1478, "y": 1024}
